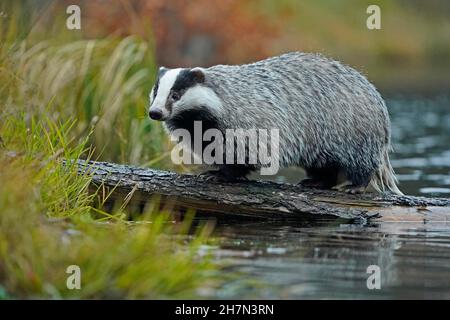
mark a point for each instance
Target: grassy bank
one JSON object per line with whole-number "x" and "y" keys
{"x": 70, "y": 100}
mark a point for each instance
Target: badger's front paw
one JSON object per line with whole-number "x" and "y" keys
{"x": 214, "y": 175}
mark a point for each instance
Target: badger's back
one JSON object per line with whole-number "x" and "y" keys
{"x": 325, "y": 111}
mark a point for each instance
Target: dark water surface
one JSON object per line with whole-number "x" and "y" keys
{"x": 296, "y": 260}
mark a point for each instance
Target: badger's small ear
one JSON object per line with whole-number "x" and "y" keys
{"x": 162, "y": 70}
{"x": 198, "y": 75}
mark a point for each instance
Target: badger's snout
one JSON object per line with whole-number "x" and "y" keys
{"x": 155, "y": 114}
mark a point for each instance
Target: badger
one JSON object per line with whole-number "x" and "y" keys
{"x": 332, "y": 121}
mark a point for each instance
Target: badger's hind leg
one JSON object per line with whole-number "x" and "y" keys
{"x": 356, "y": 182}
{"x": 321, "y": 178}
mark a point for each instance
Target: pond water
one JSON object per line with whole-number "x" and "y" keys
{"x": 329, "y": 259}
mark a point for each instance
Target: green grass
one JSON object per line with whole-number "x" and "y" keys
{"x": 71, "y": 100}
{"x": 103, "y": 83}
{"x": 46, "y": 225}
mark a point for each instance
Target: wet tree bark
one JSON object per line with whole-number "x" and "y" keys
{"x": 255, "y": 199}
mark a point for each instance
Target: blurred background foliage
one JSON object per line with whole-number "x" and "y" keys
{"x": 409, "y": 53}
{"x": 102, "y": 83}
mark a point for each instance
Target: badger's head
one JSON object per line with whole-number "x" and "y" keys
{"x": 180, "y": 92}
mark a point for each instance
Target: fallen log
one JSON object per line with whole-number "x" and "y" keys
{"x": 257, "y": 199}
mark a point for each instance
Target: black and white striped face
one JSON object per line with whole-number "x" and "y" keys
{"x": 177, "y": 90}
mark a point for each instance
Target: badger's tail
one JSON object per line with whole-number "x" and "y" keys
{"x": 385, "y": 178}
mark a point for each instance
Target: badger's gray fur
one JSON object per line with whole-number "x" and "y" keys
{"x": 331, "y": 119}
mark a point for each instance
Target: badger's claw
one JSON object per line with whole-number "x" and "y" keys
{"x": 355, "y": 190}
{"x": 342, "y": 186}
{"x": 211, "y": 175}
{"x": 348, "y": 187}
{"x": 219, "y": 176}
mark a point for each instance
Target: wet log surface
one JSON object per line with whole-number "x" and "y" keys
{"x": 257, "y": 199}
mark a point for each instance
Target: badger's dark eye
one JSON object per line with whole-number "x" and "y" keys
{"x": 175, "y": 96}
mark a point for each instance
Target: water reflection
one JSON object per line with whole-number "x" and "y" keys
{"x": 330, "y": 261}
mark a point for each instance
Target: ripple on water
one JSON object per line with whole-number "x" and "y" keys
{"x": 421, "y": 139}
{"x": 435, "y": 190}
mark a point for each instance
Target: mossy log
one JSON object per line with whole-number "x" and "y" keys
{"x": 256, "y": 199}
